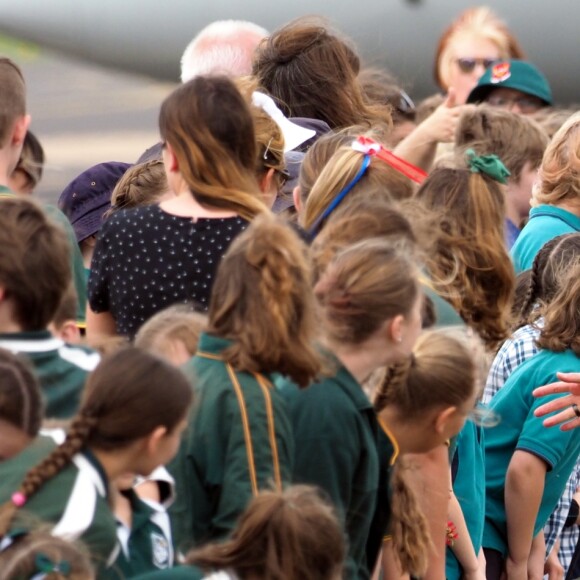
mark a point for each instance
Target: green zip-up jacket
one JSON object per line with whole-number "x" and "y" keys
{"x": 336, "y": 437}
{"x": 239, "y": 441}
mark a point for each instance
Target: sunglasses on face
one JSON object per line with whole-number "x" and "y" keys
{"x": 467, "y": 65}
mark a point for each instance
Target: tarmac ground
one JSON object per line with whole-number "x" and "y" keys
{"x": 84, "y": 114}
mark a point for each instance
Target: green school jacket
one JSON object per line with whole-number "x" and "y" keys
{"x": 61, "y": 369}
{"x": 177, "y": 573}
{"x": 76, "y": 259}
{"x": 239, "y": 441}
{"x": 146, "y": 547}
{"x": 74, "y": 501}
{"x": 335, "y": 436}
{"x": 519, "y": 429}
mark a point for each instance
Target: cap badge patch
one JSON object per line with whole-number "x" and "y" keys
{"x": 500, "y": 72}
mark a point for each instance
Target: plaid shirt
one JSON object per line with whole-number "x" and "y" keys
{"x": 516, "y": 350}
{"x": 555, "y": 526}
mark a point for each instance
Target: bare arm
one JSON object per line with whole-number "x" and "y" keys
{"x": 431, "y": 483}
{"x": 524, "y": 487}
{"x": 100, "y": 325}
{"x": 463, "y": 547}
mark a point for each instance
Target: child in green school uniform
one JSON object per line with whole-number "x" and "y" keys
{"x": 34, "y": 276}
{"x": 422, "y": 402}
{"x": 527, "y": 465}
{"x": 261, "y": 322}
{"x": 370, "y": 308}
{"x": 125, "y": 423}
{"x": 143, "y": 525}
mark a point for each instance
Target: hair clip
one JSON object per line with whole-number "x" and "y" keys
{"x": 265, "y": 156}
{"x": 44, "y": 566}
{"x": 18, "y": 499}
{"x": 11, "y": 537}
{"x": 491, "y": 165}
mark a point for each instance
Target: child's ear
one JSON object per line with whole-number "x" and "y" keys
{"x": 395, "y": 328}
{"x": 20, "y": 128}
{"x": 296, "y": 196}
{"x": 154, "y": 440}
{"x": 172, "y": 163}
{"x": 70, "y": 332}
{"x": 442, "y": 418}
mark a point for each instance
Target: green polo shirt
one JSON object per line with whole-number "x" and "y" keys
{"x": 519, "y": 429}
{"x": 74, "y": 500}
{"x": 335, "y": 432}
{"x": 469, "y": 489}
{"x": 62, "y": 369}
{"x": 546, "y": 222}
{"x": 239, "y": 441}
{"x": 77, "y": 266}
{"x": 146, "y": 546}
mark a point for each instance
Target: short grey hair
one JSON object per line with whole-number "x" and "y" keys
{"x": 222, "y": 47}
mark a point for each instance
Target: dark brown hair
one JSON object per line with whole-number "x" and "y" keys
{"x": 470, "y": 266}
{"x": 20, "y": 396}
{"x": 561, "y": 329}
{"x": 515, "y": 139}
{"x": 34, "y": 262}
{"x": 364, "y": 285}
{"x": 210, "y": 129}
{"x": 288, "y": 535}
{"x": 312, "y": 72}
{"x": 122, "y": 402}
{"x": 262, "y": 301}
{"x": 12, "y": 96}
{"x": 545, "y": 278}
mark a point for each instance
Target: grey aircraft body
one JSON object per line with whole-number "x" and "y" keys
{"x": 149, "y": 36}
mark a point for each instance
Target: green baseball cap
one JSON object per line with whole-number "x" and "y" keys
{"x": 512, "y": 74}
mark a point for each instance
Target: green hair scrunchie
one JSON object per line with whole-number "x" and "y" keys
{"x": 489, "y": 164}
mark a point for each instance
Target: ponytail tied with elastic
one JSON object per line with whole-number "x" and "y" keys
{"x": 491, "y": 165}
{"x": 45, "y": 567}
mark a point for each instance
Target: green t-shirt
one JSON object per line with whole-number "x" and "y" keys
{"x": 469, "y": 489}
{"x": 546, "y": 222}
{"x": 239, "y": 441}
{"x": 61, "y": 369}
{"x": 519, "y": 429}
{"x": 74, "y": 501}
{"x": 335, "y": 432}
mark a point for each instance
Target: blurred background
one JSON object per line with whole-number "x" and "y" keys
{"x": 84, "y": 114}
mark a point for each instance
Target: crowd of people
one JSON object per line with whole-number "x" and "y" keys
{"x": 313, "y": 333}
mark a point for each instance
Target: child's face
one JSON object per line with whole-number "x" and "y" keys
{"x": 521, "y": 190}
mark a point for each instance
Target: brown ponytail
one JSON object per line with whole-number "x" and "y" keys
{"x": 409, "y": 527}
{"x": 262, "y": 301}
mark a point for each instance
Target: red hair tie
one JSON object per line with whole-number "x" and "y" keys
{"x": 370, "y": 147}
